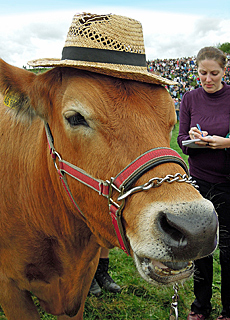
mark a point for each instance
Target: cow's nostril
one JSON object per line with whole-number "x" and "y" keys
{"x": 172, "y": 235}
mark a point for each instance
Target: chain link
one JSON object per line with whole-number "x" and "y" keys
{"x": 174, "y": 305}
{"x": 178, "y": 177}
{"x": 157, "y": 182}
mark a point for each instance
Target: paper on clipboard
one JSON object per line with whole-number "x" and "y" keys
{"x": 191, "y": 143}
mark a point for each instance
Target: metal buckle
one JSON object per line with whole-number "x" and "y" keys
{"x": 111, "y": 201}
{"x": 118, "y": 214}
{"x": 57, "y": 156}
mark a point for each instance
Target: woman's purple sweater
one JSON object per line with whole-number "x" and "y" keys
{"x": 212, "y": 112}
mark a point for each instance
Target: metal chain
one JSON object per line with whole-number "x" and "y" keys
{"x": 174, "y": 304}
{"x": 178, "y": 177}
{"x": 157, "y": 182}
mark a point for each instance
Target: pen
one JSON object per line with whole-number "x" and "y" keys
{"x": 199, "y": 128}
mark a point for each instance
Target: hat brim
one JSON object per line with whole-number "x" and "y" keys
{"x": 115, "y": 70}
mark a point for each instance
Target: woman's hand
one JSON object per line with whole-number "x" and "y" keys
{"x": 194, "y": 133}
{"x": 215, "y": 142}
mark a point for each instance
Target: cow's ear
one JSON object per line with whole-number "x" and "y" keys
{"x": 14, "y": 86}
{"x": 25, "y": 93}
{"x": 45, "y": 91}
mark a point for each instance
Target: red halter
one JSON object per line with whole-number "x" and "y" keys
{"x": 122, "y": 183}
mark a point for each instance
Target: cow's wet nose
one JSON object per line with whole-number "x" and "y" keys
{"x": 185, "y": 235}
{"x": 173, "y": 230}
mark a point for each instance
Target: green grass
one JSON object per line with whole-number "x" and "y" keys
{"x": 139, "y": 300}
{"x": 174, "y": 145}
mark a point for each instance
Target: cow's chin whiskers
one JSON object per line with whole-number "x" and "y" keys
{"x": 155, "y": 271}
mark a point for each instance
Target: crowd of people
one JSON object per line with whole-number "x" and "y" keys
{"x": 183, "y": 71}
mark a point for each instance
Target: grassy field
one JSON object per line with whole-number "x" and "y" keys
{"x": 138, "y": 300}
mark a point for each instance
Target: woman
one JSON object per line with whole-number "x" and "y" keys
{"x": 209, "y": 107}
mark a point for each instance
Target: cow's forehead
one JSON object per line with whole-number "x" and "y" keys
{"x": 99, "y": 97}
{"x": 98, "y": 89}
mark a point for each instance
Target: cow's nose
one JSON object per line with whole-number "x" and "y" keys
{"x": 185, "y": 237}
{"x": 173, "y": 230}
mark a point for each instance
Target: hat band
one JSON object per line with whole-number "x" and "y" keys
{"x": 103, "y": 56}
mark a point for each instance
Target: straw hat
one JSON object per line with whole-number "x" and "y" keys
{"x": 109, "y": 44}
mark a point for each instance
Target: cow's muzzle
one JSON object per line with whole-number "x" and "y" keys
{"x": 179, "y": 233}
{"x": 184, "y": 236}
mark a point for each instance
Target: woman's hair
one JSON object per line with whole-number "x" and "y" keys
{"x": 212, "y": 53}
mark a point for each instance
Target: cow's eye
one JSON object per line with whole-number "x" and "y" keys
{"x": 76, "y": 120}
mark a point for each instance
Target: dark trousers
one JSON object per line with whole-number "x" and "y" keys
{"x": 219, "y": 195}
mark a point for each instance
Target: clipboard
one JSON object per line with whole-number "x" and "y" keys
{"x": 191, "y": 143}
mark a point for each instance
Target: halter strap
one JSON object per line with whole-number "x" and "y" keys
{"x": 121, "y": 183}
{"x": 146, "y": 162}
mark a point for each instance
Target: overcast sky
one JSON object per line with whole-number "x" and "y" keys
{"x": 172, "y": 28}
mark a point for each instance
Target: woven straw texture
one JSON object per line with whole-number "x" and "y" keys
{"x": 109, "y": 32}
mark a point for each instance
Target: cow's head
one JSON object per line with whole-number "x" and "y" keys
{"x": 101, "y": 124}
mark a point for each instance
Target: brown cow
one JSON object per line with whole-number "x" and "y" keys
{"x": 100, "y": 124}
